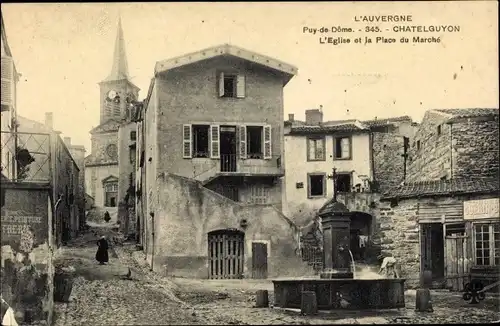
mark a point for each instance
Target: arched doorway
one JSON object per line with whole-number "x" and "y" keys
{"x": 226, "y": 254}
{"x": 361, "y": 225}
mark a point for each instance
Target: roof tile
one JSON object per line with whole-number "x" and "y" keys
{"x": 443, "y": 188}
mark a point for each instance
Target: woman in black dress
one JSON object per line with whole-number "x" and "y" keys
{"x": 102, "y": 251}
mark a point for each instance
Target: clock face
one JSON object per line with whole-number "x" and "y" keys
{"x": 111, "y": 150}
{"x": 112, "y": 94}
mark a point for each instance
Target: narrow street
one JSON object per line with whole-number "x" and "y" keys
{"x": 101, "y": 296}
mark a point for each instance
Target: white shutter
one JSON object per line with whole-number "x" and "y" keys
{"x": 221, "y": 84}
{"x": 7, "y": 80}
{"x": 243, "y": 142}
{"x": 240, "y": 86}
{"x": 267, "y": 142}
{"x": 345, "y": 145}
{"x": 214, "y": 141}
{"x": 187, "y": 144}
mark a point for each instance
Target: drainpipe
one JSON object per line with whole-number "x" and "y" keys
{"x": 152, "y": 239}
{"x": 451, "y": 150}
{"x": 372, "y": 163}
{"x": 54, "y": 219}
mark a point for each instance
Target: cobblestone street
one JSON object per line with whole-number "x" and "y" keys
{"x": 101, "y": 297}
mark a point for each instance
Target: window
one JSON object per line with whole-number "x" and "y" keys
{"x": 133, "y": 135}
{"x": 254, "y": 142}
{"x": 200, "y": 140}
{"x": 317, "y": 185}
{"x": 132, "y": 154}
{"x": 439, "y": 130}
{"x": 418, "y": 145}
{"x": 231, "y": 85}
{"x": 487, "y": 244}
{"x": 259, "y": 194}
{"x": 111, "y": 187}
{"x": 343, "y": 182}
{"x": 316, "y": 149}
{"x": 342, "y": 149}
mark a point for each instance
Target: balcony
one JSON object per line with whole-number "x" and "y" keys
{"x": 25, "y": 157}
{"x": 232, "y": 165}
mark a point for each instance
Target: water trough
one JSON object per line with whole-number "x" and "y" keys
{"x": 337, "y": 287}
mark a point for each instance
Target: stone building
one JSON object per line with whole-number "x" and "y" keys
{"x": 127, "y": 152}
{"x": 455, "y": 143}
{"x": 38, "y": 188}
{"x": 117, "y": 92}
{"x": 368, "y": 157}
{"x": 210, "y": 166}
{"x": 445, "y": 218}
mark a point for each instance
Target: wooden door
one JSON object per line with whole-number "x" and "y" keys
{"x": 259, "y": 260}
{"x": 225, "y": 254}
{"x": 457, "y": 262}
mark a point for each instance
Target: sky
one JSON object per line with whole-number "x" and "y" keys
{"x": 64, "y": 50}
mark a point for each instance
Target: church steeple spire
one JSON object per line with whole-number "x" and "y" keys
{"x": 120, "y": 66}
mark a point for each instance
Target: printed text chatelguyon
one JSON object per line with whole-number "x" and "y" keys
{"x": 381, "y": 29}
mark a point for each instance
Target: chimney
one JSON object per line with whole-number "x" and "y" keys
{"x": 314, "y": 117}
{"x": 67, "y": 141}
{"x": 290, "y": 117}
{"x": 49, "y": 120}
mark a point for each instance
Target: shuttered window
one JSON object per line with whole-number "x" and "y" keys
{"x": 231, "y": 85}
{"x": 187, "y": 145}
{"x": 214, "y": 141}
{"x": 7, "y": 83}
{"x": 267, "y": 142}
{"x": 243, "y": 142}
{"x": 342, "y": 148}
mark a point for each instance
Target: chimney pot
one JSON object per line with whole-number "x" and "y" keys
{"x": 49, "y": 120}
{"x": 314, "y": 117}
{"x": 291, "y": 117}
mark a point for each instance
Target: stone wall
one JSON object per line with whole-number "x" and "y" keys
{"x": 388, "y": 160}
{"x": 476, "y": 149}
{"x": 187, "y": 212}
{"x": 26, "y": 261}
{"x": 394, "y": 230}
{"x": 431, "y": 160}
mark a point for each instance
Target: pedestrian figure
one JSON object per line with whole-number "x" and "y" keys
{"x": 102, "y": 251}
{"x": 390, "y": 267}
{"x": 107, "y": 218}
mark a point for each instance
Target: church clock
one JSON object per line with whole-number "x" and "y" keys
{"x": 112, "y": 94}
{"x": 112, "y": 151}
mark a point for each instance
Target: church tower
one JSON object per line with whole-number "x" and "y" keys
{"x": 117, "y": 94}
{"x": 117, "y": 91}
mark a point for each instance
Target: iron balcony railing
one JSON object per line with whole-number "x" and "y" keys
{"x": 25, "y": 157}
{"x": 232, "y": 163}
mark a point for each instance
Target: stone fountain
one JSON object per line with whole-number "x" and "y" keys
{"x": 337, "y": 288}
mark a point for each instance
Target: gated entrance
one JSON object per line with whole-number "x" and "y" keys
{"x": 226, "y": 254}
{"x": 259, "y": 260}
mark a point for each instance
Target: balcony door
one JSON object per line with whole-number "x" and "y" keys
{"x": 228, "y": 152}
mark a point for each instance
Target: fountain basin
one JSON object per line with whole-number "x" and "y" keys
{"x": 334, "y": 293}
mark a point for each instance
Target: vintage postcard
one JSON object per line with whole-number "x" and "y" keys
{"x": 249, "y": 163}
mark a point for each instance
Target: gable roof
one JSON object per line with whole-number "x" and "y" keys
{"x": 227, "y": 50}
{"x": 454, "y": 114}
{"x": 109, "y": 125}
{"x": 322, "y": 129}
{"x": 386, "y": 121}
{"x": 443, "y": 188}
{"x": 5, "y": 43}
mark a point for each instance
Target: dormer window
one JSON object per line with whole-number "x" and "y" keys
{"x": 231, "y": 85}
